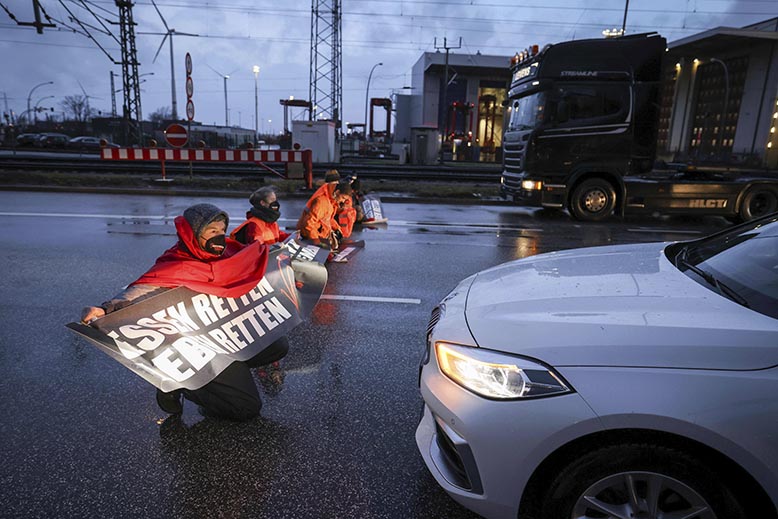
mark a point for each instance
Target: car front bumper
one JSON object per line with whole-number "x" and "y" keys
{"x": 483, "y": 452}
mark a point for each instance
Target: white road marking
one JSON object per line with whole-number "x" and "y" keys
{"x": 372, "y": 299}
{"x": 78, "y": 215}
{"x": 485, "y": 226}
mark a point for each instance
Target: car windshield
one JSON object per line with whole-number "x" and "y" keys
{"x": 526, "y": 112}
{"x": 741, "y": 264}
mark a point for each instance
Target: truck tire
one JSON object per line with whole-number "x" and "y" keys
{"x": 593, "y": 199}
{"x": 757, "y": 202}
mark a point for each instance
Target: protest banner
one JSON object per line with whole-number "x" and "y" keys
{"x": 374, "y": 212}
{"x": 183, "y": 339}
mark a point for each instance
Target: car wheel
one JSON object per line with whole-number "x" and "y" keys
{"x": 758, "y": 201}
{"x": 593, "y": 200}
{"x": 639, "y": 481}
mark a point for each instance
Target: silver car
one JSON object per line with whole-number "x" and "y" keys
{"x": 631, "y": 381}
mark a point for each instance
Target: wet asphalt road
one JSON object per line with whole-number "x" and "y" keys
{"x": 81, "y": 436}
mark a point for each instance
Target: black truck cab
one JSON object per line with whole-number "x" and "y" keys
{"x": 582, "y": 115}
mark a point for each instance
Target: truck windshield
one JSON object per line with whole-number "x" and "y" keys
{"x": 526, "y": 112}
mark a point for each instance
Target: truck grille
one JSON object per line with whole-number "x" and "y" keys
{"x": 513, "y": 154}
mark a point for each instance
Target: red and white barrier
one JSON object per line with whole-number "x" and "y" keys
{"x": 214, "y": 155}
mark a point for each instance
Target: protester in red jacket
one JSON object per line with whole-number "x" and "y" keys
{"x": 318, "y": 221}
{"x": 205, "y": 260}
{"x": 261, "y": 220}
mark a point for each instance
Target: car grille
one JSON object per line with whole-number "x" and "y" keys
{"x": 434, "y": 318}
{"x": 437, "y": 312}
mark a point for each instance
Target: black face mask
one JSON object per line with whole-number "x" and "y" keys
{"x": 216, "y": 245}
{"x": 275, "y": 206}
{"x": 267, "y": 214}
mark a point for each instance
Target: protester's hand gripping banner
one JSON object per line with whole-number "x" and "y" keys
{"x": 183, "y": 339}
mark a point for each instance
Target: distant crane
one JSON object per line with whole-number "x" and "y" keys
{"x": 169, "y": 34}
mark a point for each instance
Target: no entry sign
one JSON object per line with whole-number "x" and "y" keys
{"x": 176, "y": 135}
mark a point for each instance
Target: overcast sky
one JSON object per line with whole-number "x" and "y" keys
{"x": 234, "y": 35}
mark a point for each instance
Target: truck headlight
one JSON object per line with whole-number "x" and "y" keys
{"x": 531, "y": 185}
{"x": 497, "y": 375}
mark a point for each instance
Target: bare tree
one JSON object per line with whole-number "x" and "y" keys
{"x": 161, "y": 114}
{"x": 77, "y": 108}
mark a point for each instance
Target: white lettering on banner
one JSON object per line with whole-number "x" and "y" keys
{"x": 203, "y": 309}
{"x": 196, "y": 355}
{"x": 126, "y": 349}
{"x": 170, "y": 366}
{"x": 151, "y": 339}
{"x": 242, "y": 321}
{"x": 179, "y": 314}
{"x": 218, "y": 305}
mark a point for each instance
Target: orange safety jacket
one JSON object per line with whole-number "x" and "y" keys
{"x": 318, "y": 219}
{"x": 346, "y": 216}
{"x": 256, "y": 229}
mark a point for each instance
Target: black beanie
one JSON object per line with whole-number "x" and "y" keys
{"x": 200, "y": 215}
{"x": 332, "y": 176}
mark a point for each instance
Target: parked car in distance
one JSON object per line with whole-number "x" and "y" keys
{"x": 27, "y": 139}
{"x": 52, "y": 140}
{"x": 617, "y": 381}
{"x": 87, "y": 143}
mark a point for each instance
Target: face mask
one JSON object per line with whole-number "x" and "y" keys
{"x": 275, "y": 206}
{"x": 216, "y": 244}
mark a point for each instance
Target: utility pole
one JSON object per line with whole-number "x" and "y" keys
{"x": 113, "y": 97}
{"x": 444, "y": 104}
{"x": 326, "y": 69}
{"x": 132, "y": 109}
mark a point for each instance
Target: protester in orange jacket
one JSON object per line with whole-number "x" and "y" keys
{"x": 261, "y": 220}
{"x": 346, "y": 215}
{"x": 318, "y": 221}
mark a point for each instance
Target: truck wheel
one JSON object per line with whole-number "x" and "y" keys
{"x": 640, "y": 480}
{"x": 758, "y": 201}
{"x": 593, "y": 200}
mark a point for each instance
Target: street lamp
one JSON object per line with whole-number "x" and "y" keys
{"x": 33, "y": 90}
{"x": 367, "y": 91}
{"x": 726, "y": 102}
{"x": 255, "y": 69}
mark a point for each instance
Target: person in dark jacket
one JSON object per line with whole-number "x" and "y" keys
{"x": 261, "y": 222}
{"x": 205, "y": 260}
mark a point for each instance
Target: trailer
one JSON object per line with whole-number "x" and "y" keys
{"x": 583, "y": 118}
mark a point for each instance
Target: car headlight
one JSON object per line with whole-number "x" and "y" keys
{"x": 495, "y": 375}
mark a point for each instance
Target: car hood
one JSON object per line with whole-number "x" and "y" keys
{"x": 624, "y": 305}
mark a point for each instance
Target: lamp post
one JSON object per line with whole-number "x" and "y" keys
{"x": 255, "y": 69}
{"x": 33, "y": 90}
{"x": 723, "y": 121}
{"x": 367, "y": 92}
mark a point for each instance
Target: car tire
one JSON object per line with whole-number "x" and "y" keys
{"x": 757, "y": 202}
{"x": 664, "y": 481}
{"x": 593, "y": 199}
